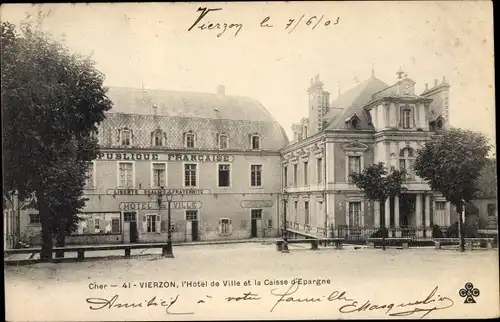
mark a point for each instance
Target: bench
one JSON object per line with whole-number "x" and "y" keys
{"x": 80, "y": 250}
{"x": 469, "y": 242}
{"x": 314, "y": 243}
{"x": 372, "y": 241}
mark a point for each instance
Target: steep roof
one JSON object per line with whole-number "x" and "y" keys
{"x": 187, "y": 104}
{"x": 352, "y": 102}
{"x": 176, "y": 113}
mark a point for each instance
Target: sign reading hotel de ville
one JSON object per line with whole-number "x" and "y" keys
{"x": 153, "y": 205}
{"x": 169, "y": 157}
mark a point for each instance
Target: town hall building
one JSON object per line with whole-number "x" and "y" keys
{"x": 370, "y": 123}
{"x": 218, "y": 155}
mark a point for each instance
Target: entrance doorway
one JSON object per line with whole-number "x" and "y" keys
{"x": 131, "y": 218}
{"x": 256, "y": 223}
{"x": 192, "y": 225}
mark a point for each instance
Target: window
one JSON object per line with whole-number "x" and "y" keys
{"x": 285, "y": 176}
{"x": 190, "y": 140}
{"x": 256, "y": 213}
{"x": 296, "y": 205}
{"x": 223, "y": 141}
{"x": 256, "y": 175}
{"x": 128, "y": 216}
{"x": 295, "y": 172}
{"x": 225, "y": 226}
{"x": 269, "y": 223}
{"x": 354, "y": 164}
{"x": 158, "y": 138}
{"x": 406, "y": 118}
{"x": 491, "y": 209}
{"x": 190, "y": 175}
{"x": 406, "y": 161}
{"x": 89, "y": 181}
{"x": 126, "y": 137}
{"x": 354, "y": 214}
{"x": 319, "y": 170}
{"x": 151, "y": 223}
{"x": 192, "y": 215}
{"x": 306, "y": 170}
{"x": 224, "y": 175}
{"x": 439, "y": 214}
{"x": 34, "y": 219}
{"x": 126, "y": 174}
{"x": 306, "y": 213}
{"x": 355, "y": 123}
{"x": 159, "y": 175}
{"x": 115, "y": 226}
{"x": 255, "y": 142}
{"x": 96, "y": 224}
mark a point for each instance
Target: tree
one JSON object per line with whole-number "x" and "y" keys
{"x": 52, "y": 101}
{"x": 378, "y": 184}
{"x": 451, "y": 164}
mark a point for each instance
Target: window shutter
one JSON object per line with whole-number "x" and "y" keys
{"x": 158, "y": 223}
{"x": 118, "y": 135}
{"x": 144, "y": 224}
{"x": 219, "y": 227}
{"x": 413, "y": 119}
{"x": 400, "y": 117}
{"x": 230, "y": 226}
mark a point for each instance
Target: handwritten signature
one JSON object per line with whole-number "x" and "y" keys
{"x": 309, "y": 21}
{"x": 101, "y": 303}
{"x": 430, "y": 304}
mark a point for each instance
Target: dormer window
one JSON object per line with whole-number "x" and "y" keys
{"x": 126, "y": 137}
{"x": 189, "y": 140}
{"x": 158, "y": 138}
{"x": 222, "y": 141}
{"x": 255, "y": 142}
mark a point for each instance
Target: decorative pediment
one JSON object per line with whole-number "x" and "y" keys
{"x": 355, "y": 146}
{"x": 317, "y": 149}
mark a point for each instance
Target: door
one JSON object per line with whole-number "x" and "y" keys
{"x": 194, "y": 230}
{"x": 130, "y": 217}
{"x": 133, "y": 231}
{"x": 254, "y": 227}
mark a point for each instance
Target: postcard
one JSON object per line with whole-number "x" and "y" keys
{"x": 246, "y": 161}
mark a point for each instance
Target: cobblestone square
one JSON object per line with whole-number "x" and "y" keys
{"x": 59, "y": 291}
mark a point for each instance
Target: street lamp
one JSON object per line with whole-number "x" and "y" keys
{"x": 284, "y": 196}
{"x": 169, "y": 196}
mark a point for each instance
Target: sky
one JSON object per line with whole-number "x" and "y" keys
{"x": 150, "y": 45}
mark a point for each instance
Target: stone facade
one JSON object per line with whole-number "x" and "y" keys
{"x": 372, "y": 122}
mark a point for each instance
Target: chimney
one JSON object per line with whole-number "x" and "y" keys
{"x": 426, "y": 86}
{"x": 444, "y": 79}
{"x": 221, "y": 90}
{"x": 435, "y": 82}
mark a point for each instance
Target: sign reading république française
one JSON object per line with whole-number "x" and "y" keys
{"x": 181, "y": 157}
{"x": 134, "y": 192}
{"x": 153, "y": 205}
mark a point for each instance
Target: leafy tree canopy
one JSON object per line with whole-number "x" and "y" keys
{"x": 377, "y": 183}
{"x": 452, "y": 164}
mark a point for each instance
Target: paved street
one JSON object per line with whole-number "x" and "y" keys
{"x": 59, "y": 291}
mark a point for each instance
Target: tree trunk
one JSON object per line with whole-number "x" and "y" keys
{"x": 45, "y": 220}
{"x": 382, "y": 215}
{"x": 461, "y": 232}
{"x": 60, "y": 239}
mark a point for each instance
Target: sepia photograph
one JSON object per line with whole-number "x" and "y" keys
{"x": 249, "y": 160}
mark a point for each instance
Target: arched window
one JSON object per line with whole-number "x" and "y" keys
{"x": 158, "y": 138}
{"x": 406, "y": 161}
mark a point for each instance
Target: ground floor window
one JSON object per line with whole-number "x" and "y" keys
{"x": 354, "y": 214}
{"x": 129, "y": 216}
{"x": 225, "y": 226}
{"x": 256, "y": 214}
{"x": 192, "y": 215}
